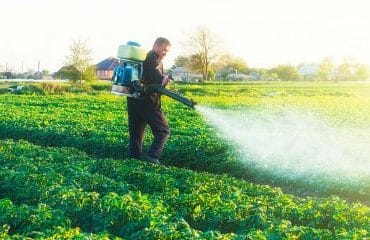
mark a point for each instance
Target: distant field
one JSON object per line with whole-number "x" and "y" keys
{"x": 64, "y": 156}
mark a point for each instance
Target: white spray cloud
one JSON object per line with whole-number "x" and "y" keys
{"x": 294, "y": 143}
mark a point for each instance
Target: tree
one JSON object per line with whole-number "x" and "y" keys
{"x": 194, "y": 63}
{"x": 203, "y": 47}
{"x": 180, "y": 61}
{"x": 363, "y": 72}
{"x": 228, "y": 61}
{"x": 68, "y": 72}
{"x": 46, "y": 73}
{"x": 90, "y": 74}
{"x": 230, "y": 64}
{"x": 80, "y": 57}
{"x": 346, "y": 70}
{"x": 264, "y": 74}
{"x": 286, "y": 72}
{"x": 8, "y": 75}
{"x": 326, "y": 69}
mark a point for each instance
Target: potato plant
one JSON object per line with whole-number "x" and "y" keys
{"x": 130, "y": 199}
{"x": 65, "y": 173}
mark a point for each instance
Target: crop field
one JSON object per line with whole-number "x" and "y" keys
{"x": 252, "y": 161}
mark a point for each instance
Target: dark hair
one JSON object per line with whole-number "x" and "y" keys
{"x": 161, "y": 41}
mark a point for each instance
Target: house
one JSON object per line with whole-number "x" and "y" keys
{"x": 105, "y": 68}
{"x": 237, "y": 77}
{"x": 181, "y": 74}
{"x": 254, "y": 75}
{"x": 309, "y": 71}
{"x": 38, "y": 75}
{"x": 225, "y": 76}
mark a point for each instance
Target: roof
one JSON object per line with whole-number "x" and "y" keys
{"x": 108, "y": 64}
{"x": 308, "y": 69}
{"x": 179, "y": 70}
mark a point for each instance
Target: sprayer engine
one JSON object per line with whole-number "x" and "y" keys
{"x": 127, "y": 77}
{"x": 130, "y": 70}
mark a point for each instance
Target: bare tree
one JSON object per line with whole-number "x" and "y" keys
{"x": 80, "y": 57}
{"x": 203, "y": 47}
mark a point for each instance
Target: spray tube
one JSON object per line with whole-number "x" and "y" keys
{"x": 159, "y": 88}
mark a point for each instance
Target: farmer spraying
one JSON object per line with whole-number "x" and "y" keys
{"x": 140, "y": 77}
{"x": 147, "y": 110}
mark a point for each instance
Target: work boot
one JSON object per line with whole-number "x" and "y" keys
{"x": 152, "y": 160}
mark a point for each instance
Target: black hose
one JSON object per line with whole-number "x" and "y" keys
{"x": 177, "y": 97}
{"x": 159, "y": 88}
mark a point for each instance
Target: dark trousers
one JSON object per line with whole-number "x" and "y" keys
{"x": 139, "y": 116}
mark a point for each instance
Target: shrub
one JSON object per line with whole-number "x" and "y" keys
{"x": 100, "y": 86}
{"x": 54, "y": 87}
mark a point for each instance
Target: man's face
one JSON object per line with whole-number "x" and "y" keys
{"x": 162, "y": 50}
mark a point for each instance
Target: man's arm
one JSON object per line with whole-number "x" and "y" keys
{"x": 152, "y": 70}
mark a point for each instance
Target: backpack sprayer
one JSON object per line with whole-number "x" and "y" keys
{"x": 127, "y": 77}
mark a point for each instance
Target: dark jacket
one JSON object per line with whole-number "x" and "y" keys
{"x": 152, "y": 74}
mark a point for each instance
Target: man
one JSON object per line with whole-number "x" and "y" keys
{"x": 148, "y": 109}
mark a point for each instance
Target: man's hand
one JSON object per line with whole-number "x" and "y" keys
{"x": 166, "y": 80}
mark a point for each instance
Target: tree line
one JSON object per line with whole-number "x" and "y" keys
{"x": 205, "y": 56}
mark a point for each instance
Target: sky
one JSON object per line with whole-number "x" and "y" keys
{"x": 264, "y": 33}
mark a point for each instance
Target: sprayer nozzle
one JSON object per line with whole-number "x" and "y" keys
{"x": 193, "y": 103}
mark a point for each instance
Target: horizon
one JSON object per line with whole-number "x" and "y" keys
{"x": 268, "y": 33}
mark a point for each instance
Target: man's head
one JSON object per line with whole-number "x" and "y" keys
{"x": 161, "y": 47}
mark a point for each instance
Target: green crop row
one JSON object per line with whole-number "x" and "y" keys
{"x": 55, "y": 192}
{"x": 97, "y": 125}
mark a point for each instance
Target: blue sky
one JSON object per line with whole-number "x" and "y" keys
{"x": 265, "y": 32}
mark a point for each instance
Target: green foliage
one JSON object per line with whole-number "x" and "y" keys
{"x": 68, "y": 72}
{"x": 287, "y": 72}
{"x": 181, "y": 61}
{"x": 56, "y": 88}
{"x": 85, "y": 122}
{"x": 211, "y": 74}
{"x": 230, "y": 64}
{"x": 31, "y": 89}
{"x": 4, "y": 90}
{"x": 326, "y": 69}
{"x": 90, "y": 74}
{"x": 135, "y": 200}
{"x": 101, "y": 86}
{"x": 63, "y": 185}
{"x": 362, "y": 72}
